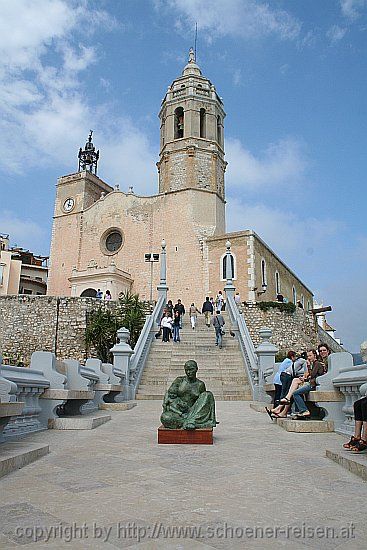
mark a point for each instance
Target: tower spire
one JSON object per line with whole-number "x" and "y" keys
{"x": 88, "y": 158}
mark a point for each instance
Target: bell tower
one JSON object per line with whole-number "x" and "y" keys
{"x": 192, "y": 137}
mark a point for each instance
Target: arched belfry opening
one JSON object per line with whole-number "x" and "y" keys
{"x": 202, "y": 123}
{"x": 219, "y": 131}
{"x": 179, "y": 122}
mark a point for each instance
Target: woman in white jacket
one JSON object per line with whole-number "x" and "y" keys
{"x": 166, "y": 325}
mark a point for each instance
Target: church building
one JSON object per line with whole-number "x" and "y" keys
{"x": 102, "y": 236}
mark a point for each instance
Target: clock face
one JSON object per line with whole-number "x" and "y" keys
{"x": 68, "y": 205}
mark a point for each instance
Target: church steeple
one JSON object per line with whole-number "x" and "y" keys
{"x": 192, "y": 144}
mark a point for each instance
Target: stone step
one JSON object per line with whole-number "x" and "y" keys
{"x": 354, "y": 463}
{"x": 245, "y": 397}
{"x": 82, "y": 422}
{"x": 306, "y": 426}
{"x": 259, "y": 406}
{"x": 124, "y": 406}
{"x": 17, "y": 454}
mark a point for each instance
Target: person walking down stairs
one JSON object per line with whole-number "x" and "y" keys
{"x": 166, "y": 324}
{"x": 176, "y": 326}
{"x": 218, "y": 323}
{"x": 207, "y": 310}
{"x": 193, "y": 314}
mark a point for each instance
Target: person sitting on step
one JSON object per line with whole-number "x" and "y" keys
{"x": 296, "y": 370}
{"x": 304, "y": 384}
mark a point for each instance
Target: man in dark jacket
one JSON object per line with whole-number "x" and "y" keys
{"x": 208, "y": 310}
{"x": 181, "y": 310}
{"x": 218, "y": 323}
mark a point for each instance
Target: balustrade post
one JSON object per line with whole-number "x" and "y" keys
{"x": 229, "y": 289}
{"x": 265, "y": 352}
{"x": 162, "y": 287}
{"x": 122, "y": 353}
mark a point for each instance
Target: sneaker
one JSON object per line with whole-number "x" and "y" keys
{"x": 351, "y": 443}
{"x": 359, "y": 447}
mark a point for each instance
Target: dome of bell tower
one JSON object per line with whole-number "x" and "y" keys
{"x": 191, "y": 68}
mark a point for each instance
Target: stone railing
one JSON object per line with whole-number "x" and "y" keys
{"x": 325, "y": 338}
{"x": 29, "y": 385}
{"x": 142, "y": 346}
{"x": 351, "y": 381}
{"x": 247, "y": 348}
{"x": 51, "y": 391}
{"x": 9, "y": 407}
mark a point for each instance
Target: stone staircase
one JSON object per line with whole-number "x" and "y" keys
{"x": 222, "y": 370}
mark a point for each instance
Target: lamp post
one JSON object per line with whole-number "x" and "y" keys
{"x": 151, "y": 258}
{"x": 162, "y": 287}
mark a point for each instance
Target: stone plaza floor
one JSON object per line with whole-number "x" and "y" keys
{"x": 258, "y": 486}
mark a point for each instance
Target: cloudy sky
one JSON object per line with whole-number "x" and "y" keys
{"x": 292, "y": 74}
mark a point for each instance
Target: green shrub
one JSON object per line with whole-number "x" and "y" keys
{"x": 288, "y": 307}
{"x": 102, "y": 324}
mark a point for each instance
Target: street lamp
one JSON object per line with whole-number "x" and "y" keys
{"x": 151, "y": 258}
{"x": 264, "y": 286}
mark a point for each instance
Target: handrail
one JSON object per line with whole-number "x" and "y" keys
{"x": 329, "y": 340}
{"x": 143, "y": 344}
{"x": 246, "y": 345}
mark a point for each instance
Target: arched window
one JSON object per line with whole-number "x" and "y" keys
{"x": 202, "y": 123}
{"x": 219, "y": 130}
{"x": 163, "y": 129}
{"x": 303, "y": 301}
{"x": 263, "y": 273}
{"x": 88, "y": 293}
{"x": 179, "y": 121}
{"x": 277, "y": 283}
{"x": 231, "y": 275}
{"x": 294, "y": 295}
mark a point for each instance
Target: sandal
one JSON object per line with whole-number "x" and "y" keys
{"x": 303, "y": 416}
{"x": 351, "y": 443}
{"x": 271, "y": 414}
{"x": 359, "y": 447}
{"x": 285, "y": 401}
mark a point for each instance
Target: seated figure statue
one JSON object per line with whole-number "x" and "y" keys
{"x": 187, "y": 404}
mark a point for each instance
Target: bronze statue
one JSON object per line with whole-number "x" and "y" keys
{"x": 187, "y": 404}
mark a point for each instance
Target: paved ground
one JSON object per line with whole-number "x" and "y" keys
{"x": 117, "y": 478}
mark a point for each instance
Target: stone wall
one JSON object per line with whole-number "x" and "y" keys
{"x": 45, "y": 323}
{"x": 48, "y": 323}
{"x": 296, "y": 331}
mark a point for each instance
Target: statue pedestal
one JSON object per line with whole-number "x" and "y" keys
{"x": 201, "y": 436}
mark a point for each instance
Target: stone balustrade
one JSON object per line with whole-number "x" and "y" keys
{"x": 71, "y": 390}
{"x": 27, "y": 385}
{"x": 352, "y": 383}
{"x": 109, "y": 386}
{"x": 9, "y": 407}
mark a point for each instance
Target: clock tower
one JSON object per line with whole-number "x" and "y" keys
{"x": 74, "y": 194}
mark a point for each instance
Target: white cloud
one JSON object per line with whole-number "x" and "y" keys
{"x": 22, "y": 232}
{"x": 127, "y": 158}
{"x": 44, "y": 110}
{"x": 286, "y": 231}
{"x": 246, "y": 19}
{"x": 237, "y": 77}
{"x": 352, "y": 8}
{"x": 282, "y": 164}
{"x": 336, "y": 33}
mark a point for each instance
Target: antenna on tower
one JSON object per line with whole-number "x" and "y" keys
{"x": 196, "y": 40}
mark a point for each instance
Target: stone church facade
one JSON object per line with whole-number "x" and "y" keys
{"x": 101, "y": 235}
